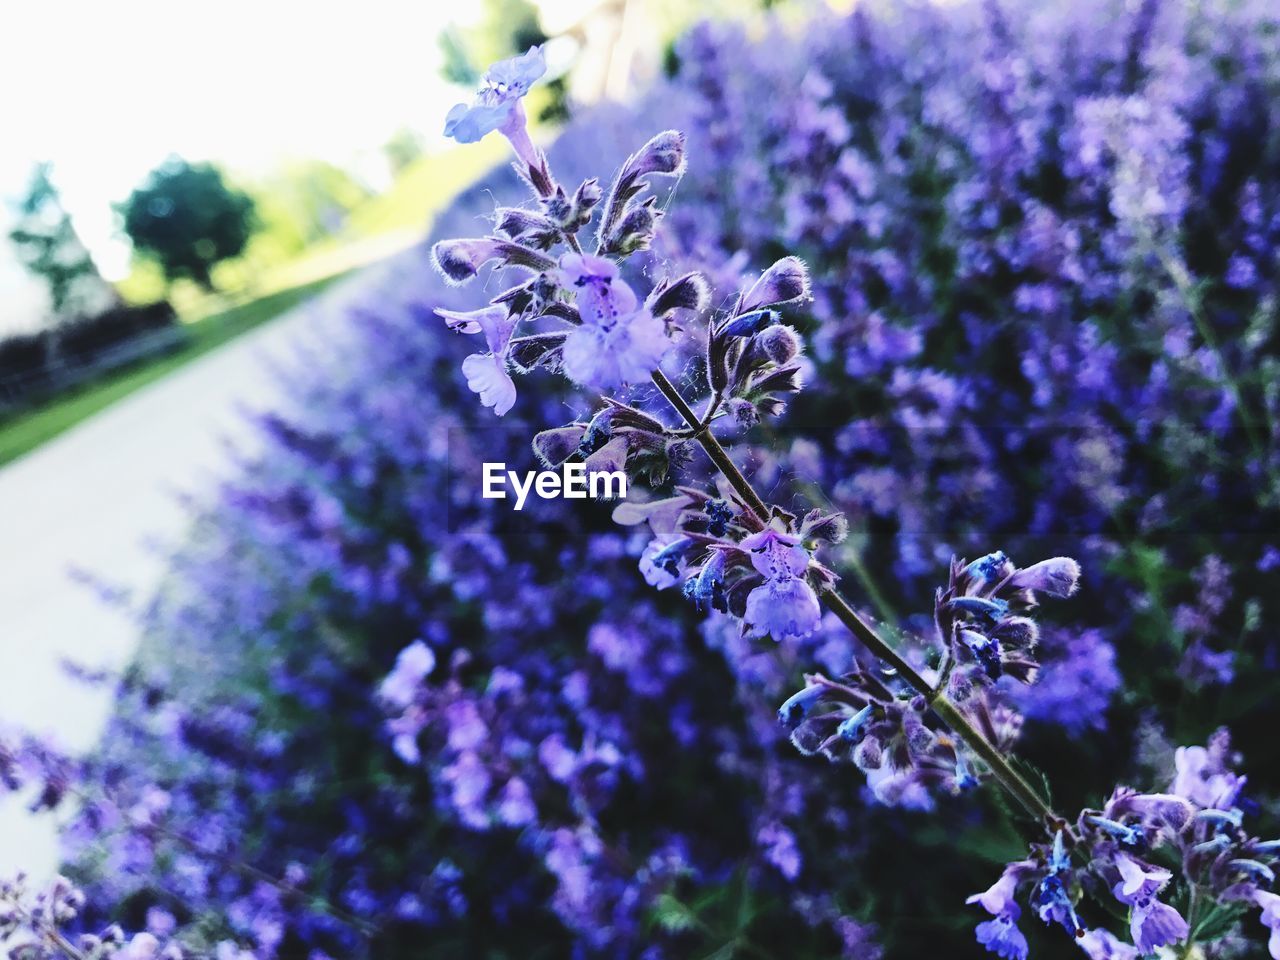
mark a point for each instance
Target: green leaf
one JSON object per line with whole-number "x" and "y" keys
{"x": 673, "y": 916}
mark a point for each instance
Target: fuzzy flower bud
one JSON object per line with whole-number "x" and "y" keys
{"x": 1058, "y": 577}
{"x": 663, "y": 154}
{"x": 786, "y": 280}
{"x": 689, "y": 292}
{"x": 554, "y": 447}
{"x": 634, "y": 231}
{"x": 780, "y": 344}
{"x": 460, "y": 260}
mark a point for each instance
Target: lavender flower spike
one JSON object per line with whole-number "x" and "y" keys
{"x": 498, "y": 106}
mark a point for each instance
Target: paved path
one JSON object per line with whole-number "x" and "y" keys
{"x": 99, "y": 498}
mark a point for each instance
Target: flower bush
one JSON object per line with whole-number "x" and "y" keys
{"x": 1023, "y": 295}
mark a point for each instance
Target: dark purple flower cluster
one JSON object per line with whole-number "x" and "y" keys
{"x": 887, "y": 729}
{"x": 1126, "y": 856}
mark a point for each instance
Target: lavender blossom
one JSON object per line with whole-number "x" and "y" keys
{"x": 498, "y": 104}
{"x": 617, "y": 341}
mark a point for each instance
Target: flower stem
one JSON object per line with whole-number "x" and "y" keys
{"x": 948, "y": 712}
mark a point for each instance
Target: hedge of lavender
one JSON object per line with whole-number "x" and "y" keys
{"x": 382, "y": 717}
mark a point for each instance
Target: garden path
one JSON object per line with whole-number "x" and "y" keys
{"x": 104, "y": 498}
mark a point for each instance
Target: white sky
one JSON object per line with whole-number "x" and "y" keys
{"x": 106, "y": 89}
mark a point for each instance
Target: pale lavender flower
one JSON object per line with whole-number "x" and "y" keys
{"x": 654, "y": 565}
{"x": 515, "y": 805}
{"x": 1201, "y": 779}
{"x": 497, "y": 105}
{"x": 1138, "y": 882}
{"x": 1001, "y": 935}
{"x": 414, "y": 663}
{"x": 1269, "y": 903}
{"x": 998, "y": 898}
{"x": 1102, "y": 944}
{"x": 1154, "y": 924}
{"x": 785, "y": 605}
{"x": 780, "y": 849}
{"x": 619, "y": 341}
{"x": 486, "y": 373}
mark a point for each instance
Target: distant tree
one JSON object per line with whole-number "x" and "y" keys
{"x": 188, "y": 219}
{"x": 402, "y": 149}
{"x": 47, "y": 245}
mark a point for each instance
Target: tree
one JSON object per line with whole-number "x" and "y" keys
{"x": 47, "y": 245}
{"x": 188, "y": 219}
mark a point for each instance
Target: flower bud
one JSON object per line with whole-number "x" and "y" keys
{"x": 585, "y": 199}
{"x": 634, "y": 231}
{"x": 663, "y": 154}
{"x": 796, "y": 707}
{"x": 749, "y": 324}
{"x": 520, "y": 224}
{"x": 610, "y": 458}
{"x": 1058, "y": 577}
{"x": 780, "y": 344}
{"x": 743, "y": 411}
{"x": 554, "y": 447}
{"x": 460, "y": 260}
{"x": 786, "y": 280}
{"x": 689, "y": 292}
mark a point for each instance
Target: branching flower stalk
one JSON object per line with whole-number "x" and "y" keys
{"x": 1009, "y": 778}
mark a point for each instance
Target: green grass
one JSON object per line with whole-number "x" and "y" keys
{"x": 22, "y": 432}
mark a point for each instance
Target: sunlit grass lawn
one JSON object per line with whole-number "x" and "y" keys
{"x": 25, "y": 431}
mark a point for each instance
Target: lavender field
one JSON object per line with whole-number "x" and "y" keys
{"x": 939, "y": 346}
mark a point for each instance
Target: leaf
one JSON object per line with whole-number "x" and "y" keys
{"x": 1036, "y": 777}
{"x": 673, "y": 916}
{"x": 1218, "y": 921}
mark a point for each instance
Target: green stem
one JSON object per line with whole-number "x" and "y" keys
{"x": 948, "y": 712}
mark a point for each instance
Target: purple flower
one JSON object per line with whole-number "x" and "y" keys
{"x": 1202, "y": 779}
{"x": 486, "y": 373}
{"x": 780, "y": 849}
{"x": 515, "y": 805}
{"x": 1102, "y": 944}
{"x": 1269, "y": 903}
{"x": 400, "y": 686}
{"x": 784, "y": 605}
{"x": 656, "y": 561}
{"x": 497, "y": 103}
{"x": 1154, "y": 924}
{"x": 998, "y": 898}
{"x": 1138, "y": 882}
{"x": 1076, "y": 684}
{"x": 1002, "y": 937}
{"x": 143, "y": 946}
{"x": 618, "y": 340}
{"x": 706, "y": 589}
{"x": 460, "y": 260}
